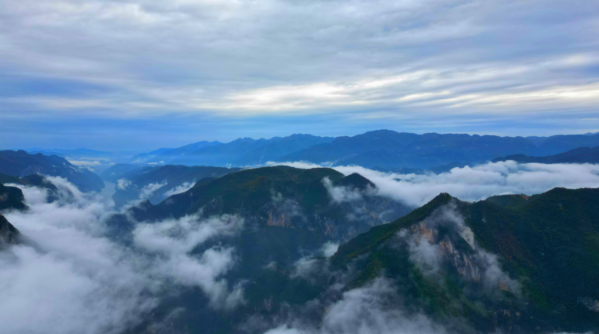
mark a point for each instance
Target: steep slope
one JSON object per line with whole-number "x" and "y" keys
{"x": 391, "y": 150}
{"x": 546, "y": 277}
{"x": 577, "y": 156}
{"x": 11, "y": 198}
{"x": 20, "y": 163}
{"x": 157, "y": 183}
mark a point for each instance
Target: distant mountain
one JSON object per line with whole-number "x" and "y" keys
{"x": 578, "y": 156}
{"x": 173, "y": 153}
{"x": 118, "y": 171}
{"x": 155, "y": 183}
{"x": 20, "y": 164}
{"x": 387, "y": 149}
{"x": 240, "y": 152}
{"x": 64, "y": 153}
{"x": 548, "y": 251}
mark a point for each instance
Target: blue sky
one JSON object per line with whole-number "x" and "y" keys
{"x": 142, "y": 74}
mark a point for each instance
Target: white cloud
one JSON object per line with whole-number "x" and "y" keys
{"x": 174, "y": 240}
{"x": 71, "y": 278}
{"x": 123, "y": 184}
{"x": 180, "y": 189}
{"x": 366, "y": 310}
{"x": 329, "y": 248}
{"x": 475, "y": 183}
{"x": 341, "y": 194}
{"x": 148, "y": 190}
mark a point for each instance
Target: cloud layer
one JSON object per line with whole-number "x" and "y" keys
{"x": 72, "y": 278}
{"x": 476, "y": 183}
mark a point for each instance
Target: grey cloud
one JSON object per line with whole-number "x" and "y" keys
{"x": 401, "y": 59}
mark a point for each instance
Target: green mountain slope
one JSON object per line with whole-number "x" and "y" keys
{"x": 283, "y": 196}
{"x": 547, "y": 246}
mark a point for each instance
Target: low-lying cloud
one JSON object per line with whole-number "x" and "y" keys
{"x": 368, "y": 310}
{"x": 72, "y": 278}
{"x": 474, "y": 183}
{"x": 180, "y": 189}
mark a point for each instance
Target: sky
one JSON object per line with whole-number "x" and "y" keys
{"x": 143, "y": 74}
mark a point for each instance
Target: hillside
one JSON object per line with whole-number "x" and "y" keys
{"x": 20, "y": 164}
{"x": 576, "y": 156}
{"x": 547, "y": 246}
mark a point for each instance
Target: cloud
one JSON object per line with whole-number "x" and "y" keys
{"x": 341, "y": 194}
{"x": 72, "y": 278}
{"x": 148, "y": 190}
{"x": 85, "y": 163}
{"x": 329, "y": 248}
{"x": 474, "y": 183}
{"x": 123, "y": 184}
{"x": 368, "y": 310}
{"x": 174, "y": 240}
{"x": 180, "y": 189}
{"x": 382, "y": 59}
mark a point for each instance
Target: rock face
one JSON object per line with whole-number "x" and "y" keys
{"x": 9, "y": 235}
{"x": 11, "y": 198}
{"x": 20, "y": 164}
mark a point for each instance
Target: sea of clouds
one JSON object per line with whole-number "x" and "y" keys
{"x": 70, "y": 277}
{"x": 470, "y": 183}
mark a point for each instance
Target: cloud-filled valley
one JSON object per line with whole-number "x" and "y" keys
{"x": 83, "y": 274}
{"x": 472, "y": 183}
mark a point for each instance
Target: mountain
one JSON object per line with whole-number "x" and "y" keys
{"x": 155, "y": 183}
{"x": 320, "y": 199}
{"x": 118, "y": 171}
{"x": 240, "y": 152}
{"x": 385, "y": 149}
{"x": 11, "y": 198}
{"x": 21, "y": 163}
{"x": 288, "y": 213}
{"x": 173, "y": 153}
{"x": 517, "y": 263}
{"x": 577, "y": 156}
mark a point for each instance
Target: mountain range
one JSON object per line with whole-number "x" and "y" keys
{"x": 382, "y": 149}
{"x": 21, "y": 163}
{"x": 578, "y": 156}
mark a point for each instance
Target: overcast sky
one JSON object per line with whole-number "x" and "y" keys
{"x": 143, "y": 74}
